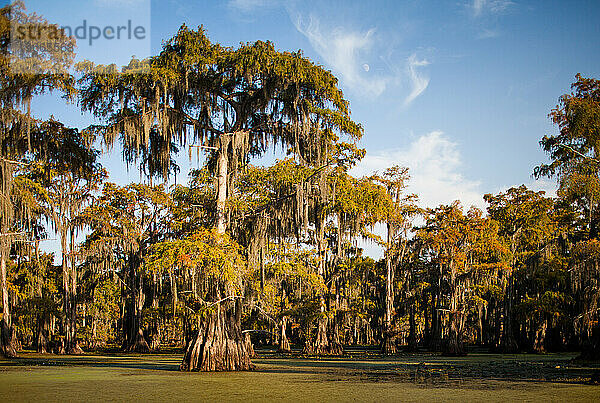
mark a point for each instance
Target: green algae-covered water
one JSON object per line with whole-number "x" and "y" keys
{"x": 417, "y": 377}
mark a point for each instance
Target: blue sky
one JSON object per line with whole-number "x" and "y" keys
{"x": 459, "y": 91}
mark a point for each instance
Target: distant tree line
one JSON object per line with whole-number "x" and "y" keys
{"x": 250, "y": 255}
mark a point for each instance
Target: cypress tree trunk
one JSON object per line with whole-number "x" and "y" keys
{"x": 427, "y": 328}
{"x": 480, "y": 338}
{"x": 249, "y": 346}
{"x": 321, "y": 343}
{"x": 72, "y": 347}
{"x": 327, "y": 341}
{"x": 69, "y": 344}
{"x": 132, "y": 326}
{"x": 222, "y": 187}
{"x": 454, "y": 345}
{"x": 335, "y": 347}
{"x": 155, "y": 333}
{"x": 42, "y": 341}
{"x": 43, "y": 334}
{"x": 435, "y": 343}
{"x": 327, "y": 338}
{"x": 284, "y": 344}
{"x": 388, "y": 344}
{"x": 219, "y": 344}
{"x": 412, "y": 329}
{"x": 66, "y": 295}
{"x": 174, "y": 298}
{"x": 8, "y": 340}
{"x": 539, "y": 343}
{"x": 508, "y": 343}
{"x": 137, "y": 341}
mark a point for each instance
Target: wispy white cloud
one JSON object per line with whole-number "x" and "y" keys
{"x": 482, "y": 7}
{"x": 345, "y": 52}
{"x": 362, "y": 59}
{"x": 549, "y": 186}
{"x": 485, "y": 13}
{"x": 434, "y": 163}
{"x": 251, "y": 5}
{"x": 419, "y": 82}
{"x": 435, "y": 166}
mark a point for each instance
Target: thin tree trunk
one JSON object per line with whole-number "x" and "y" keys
{"x": 8, "y": 342}
{"x": 388, "y": 344}
{"x": 539, "y": 344}
{"x": 155, "y": 290}
{"x": 222, "y": 188}
{"x": 480, "y": 338}
{"x": 323, "y": 343}
{"x": 335, "y": 346}
{"x": 508, "y": 344}
{"x": 454, "y": 345}
{"x": 43, "y": 325}
{"x": 155, "y": 334}
{"x": 284, "y": 344}
{"x": 135, "y": 335}
{"x": 174, "y": 299}
{"x": 262, "y": 270}
{"x": 436, "y": 319}
{"x": 412, "y": 329}
{"x": 64, "y": 348}
{"x": 73, "y": 346}
{"x": 5, "y": 307}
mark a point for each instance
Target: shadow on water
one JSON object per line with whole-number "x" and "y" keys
{"x": 144, "y": 362}
{"x": 431, "y": 368}
{"x": 420, "y": 368}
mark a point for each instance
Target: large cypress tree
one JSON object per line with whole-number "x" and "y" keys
{"x": 234, "y": 102}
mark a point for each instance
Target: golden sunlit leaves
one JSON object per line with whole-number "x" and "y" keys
{"x": 214, "y": 257}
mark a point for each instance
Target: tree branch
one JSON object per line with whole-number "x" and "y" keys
{"x": 579, "y": 153}
{"x": 224, "y": 299}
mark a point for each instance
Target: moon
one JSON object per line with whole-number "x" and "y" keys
{"x": 366, "y": 67}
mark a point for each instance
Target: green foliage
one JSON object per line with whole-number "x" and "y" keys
{"x": 525, "y": 218}
{"x": 125, "y": 220}
{"x": 200, "y": 91}
{"x": 103, "y": 309}
{"x": 215, "y": 259}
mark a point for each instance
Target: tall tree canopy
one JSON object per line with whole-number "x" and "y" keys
{"x": 575, "y": 161}
{"x": 27, "y": 68}
{"x": 233, "y": 102}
